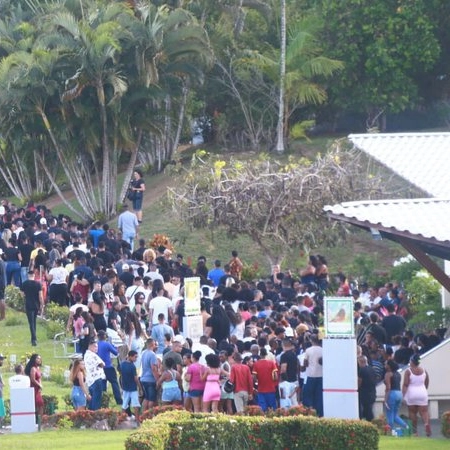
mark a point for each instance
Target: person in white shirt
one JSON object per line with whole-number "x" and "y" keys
{"x": 160, "y": 305}
{"x": 135, "y": 288}
{"x": 94, "y": 375}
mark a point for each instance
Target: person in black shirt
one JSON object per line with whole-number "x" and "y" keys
{"x": 289, "y": 365}
{"x": 34, "y": 302}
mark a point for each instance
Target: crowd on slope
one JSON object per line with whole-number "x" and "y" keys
{"x": 260, "y": 343}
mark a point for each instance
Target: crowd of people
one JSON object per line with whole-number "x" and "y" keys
{"x": 261, "y": 340}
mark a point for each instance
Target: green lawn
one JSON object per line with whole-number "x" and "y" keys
{"x": 411, "y": 443}
{"x": 114, "y": 440}
{"x": 58, "y": 440}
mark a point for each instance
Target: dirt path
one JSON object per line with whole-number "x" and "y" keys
{"x": 156, "y": 187}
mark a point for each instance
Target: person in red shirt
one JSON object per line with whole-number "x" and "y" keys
{"x": 241, "y": 377}
{"x": 266, "y": 373}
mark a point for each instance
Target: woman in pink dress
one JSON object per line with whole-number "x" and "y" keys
{"x": 415, "y": 385}
{"x": 212, "y": 392}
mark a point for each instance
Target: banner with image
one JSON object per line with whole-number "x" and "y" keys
{"x": 338, "y": 319}
{"x": 192, "y": 296}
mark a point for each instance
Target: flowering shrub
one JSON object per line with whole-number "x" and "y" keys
{"x": 83, "y": 418}
{"x": 182, "y": 430}
{"x": 152, "y": 412}
{"x": 381, "y": 424}
{"x": 445, "y": 424}
{"x": 161, "y": 239}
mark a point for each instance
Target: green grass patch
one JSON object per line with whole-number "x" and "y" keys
{"x": 412, "y": 443}
{"x": 65, "y": 439}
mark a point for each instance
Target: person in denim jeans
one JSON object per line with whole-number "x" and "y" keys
{"x": 393, "y": 395}
{"x": 94, "y": 375}
{"x": 80, "y": 393}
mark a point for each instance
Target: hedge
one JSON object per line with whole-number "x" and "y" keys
{"x": 183, "y": 430}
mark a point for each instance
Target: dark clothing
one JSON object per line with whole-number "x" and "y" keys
{"x": 366, "y": 392}
{"x": 396, "y": 381}
{"x": 31, "y": 289}
{"x": 402, "y": 356}
{"x": 128, "y": 372}
{"x": 379, "y": 333}
{"x": 127, "y": 278}
{"x": 290, "y": 358}
{"x": 394, "y": 325}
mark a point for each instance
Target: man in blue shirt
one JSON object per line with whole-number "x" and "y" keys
{"x": 105, "y": 349}
{"x": 216, "y": 274}
{"x": 150, "y": 373}
{"x": 130, "y": 384}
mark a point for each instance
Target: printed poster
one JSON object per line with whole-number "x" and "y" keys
{"x": 339, "y": 317}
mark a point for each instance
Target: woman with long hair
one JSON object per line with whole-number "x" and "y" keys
{"x": 196, "y": 384}
{"x": 218, "y": 325}
{"x": 32, "y": 369}
{"x": 393, "y": 394}
{"x": 87, "y": 332}
{"x": 415, "y": 385}
{"x": 80, "y": 393}
{"x": 134, "y": 335}
{"x": 211, "y": 376}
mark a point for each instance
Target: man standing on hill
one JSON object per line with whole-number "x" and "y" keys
{"x": 216, "y": 274}
{"x": 34, "y": 302}
{"x": 129, "y": 225}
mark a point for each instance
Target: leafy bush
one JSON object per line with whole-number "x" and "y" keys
{"x": 13, "y": 321}
{"x": 14, "y": 298}
{"x": 52, "y": 327}
{"x": 50, "y": 404}
{"x": 57, "y": 313}
{"x": 445, "y": 424}
{"x": 83, "y": 418}
{"x": 425, "y": 303}
{"x": 181, "y": 429}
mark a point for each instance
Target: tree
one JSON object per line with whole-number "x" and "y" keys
{"x": 386, "y": 45}
{"x": 88, "y": 84}
{"x": 279, "y": 206}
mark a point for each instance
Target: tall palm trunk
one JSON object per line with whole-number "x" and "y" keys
{"x": 280, "y": 126}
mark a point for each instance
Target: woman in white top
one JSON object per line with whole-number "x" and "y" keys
{"x": 415, "y": 394}
{"x": 57, "y": 277}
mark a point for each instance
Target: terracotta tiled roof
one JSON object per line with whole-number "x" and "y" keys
{"x": 428, "y": 218}
{"x": 423, "y": 159}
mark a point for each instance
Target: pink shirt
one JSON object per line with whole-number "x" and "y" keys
{"x": 195, "y": 370}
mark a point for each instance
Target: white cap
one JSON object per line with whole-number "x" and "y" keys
{"x": 43, "y": 221}
{"x": 125, "y": 266}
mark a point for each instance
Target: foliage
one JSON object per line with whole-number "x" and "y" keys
{"x": 180, "y": 429}
{"x": 84, "y": 418}
{"x": 50, "y": 404}
{"x": 386, "y": 47}
{"x": 364, "y": 268}
{"x": 279, "y": 206}
{"x": 13, "y": 321}
{"x": 156, "y": 410}
{"x": 425, "y": 303}
{"x": 251, "y": 272}
{"x": 52, "y": 328}
{"x": 405, "y": 269}
{"x": 445, "y": 424}
{"x": 57, "y": 317}
{"x": 14, "y": 298}
{"x": 57, "y": 313}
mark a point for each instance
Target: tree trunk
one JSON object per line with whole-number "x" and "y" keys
{"x": 280, "y": 126}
